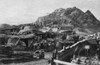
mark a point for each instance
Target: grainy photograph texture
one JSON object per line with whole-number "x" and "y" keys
{"x": 49, "y": 32}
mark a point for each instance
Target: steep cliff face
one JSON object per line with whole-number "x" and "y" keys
{"x": 73, "y": 16}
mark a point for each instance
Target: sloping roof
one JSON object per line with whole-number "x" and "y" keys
{"x": 44, "y": 29}
{"x": 22, "y": 36}
{"x": 84, "y": 41}
{"x": 26, "y": 28}
{"x": 22, "y": 31}
{"x": 93, "y": 41}
{"x": 27, "y": 36}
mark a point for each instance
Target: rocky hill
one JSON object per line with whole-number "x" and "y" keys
{"x": 73, "y": 16}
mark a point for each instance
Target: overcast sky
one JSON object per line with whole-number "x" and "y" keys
{"x": 26, "y": 11}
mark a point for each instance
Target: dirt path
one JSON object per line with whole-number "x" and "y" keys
{"x": 39, "y": 62}
{"x": 35, "y": 62}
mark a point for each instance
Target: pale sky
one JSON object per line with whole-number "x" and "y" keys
{"x": 27, "y": 11}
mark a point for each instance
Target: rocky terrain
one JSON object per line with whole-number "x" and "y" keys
{"x": 73, "y": 17}
{"x": 83, "y": 21}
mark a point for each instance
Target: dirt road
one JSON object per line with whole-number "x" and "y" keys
{"x": 39, "y": 62}
{"x": 35, "y": 62}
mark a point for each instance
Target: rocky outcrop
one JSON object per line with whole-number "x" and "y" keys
{"x": 73, "y": 16}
